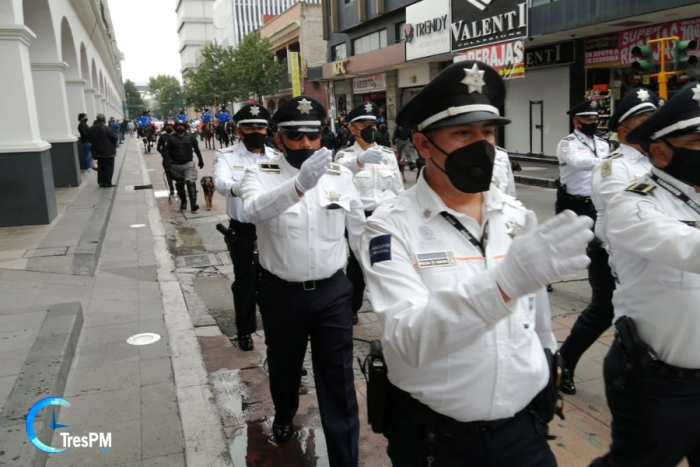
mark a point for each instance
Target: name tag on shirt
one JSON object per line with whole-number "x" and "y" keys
{"x": 238, "y": 167}
{"x": 435, "y": 259}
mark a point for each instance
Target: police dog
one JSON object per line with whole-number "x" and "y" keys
{"x": 208, "y": 189}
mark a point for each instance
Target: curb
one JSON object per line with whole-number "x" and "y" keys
{"x": 534, "y": 181}
{"x": 44, "y": 374}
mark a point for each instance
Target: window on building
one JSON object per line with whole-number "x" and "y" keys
{"x": 369, "y": 42}
{"x": 400, "y": 32}
{"x": 534, "y": 3}
{"x": 339, "y": 52}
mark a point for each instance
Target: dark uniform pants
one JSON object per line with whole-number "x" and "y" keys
{"x": 655, "y": 418}
{"x": 246, "y": 274}
{"x": 290, "y": 316}
{"x": 598, "y": 316}
{"x": 515, "y": 442}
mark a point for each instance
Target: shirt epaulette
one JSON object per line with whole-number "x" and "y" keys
{"x": 386, "y": 149}
{"x": 641, "y": 188}
{"x": 226, "y": 150}
{"x": 615, "y": 155}
{"x": 272, "y": 167}
{"x": 333, "y": 169}
{"x": 272, "y": 152}
{"x": 570, "y": 137}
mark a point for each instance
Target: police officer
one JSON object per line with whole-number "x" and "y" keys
{"x": 377, "y": 176}
{"x": 456, "y": 272}
{"x": 181, "y": 117}
{"x": 299, "y": 205}
{"x": 579, "y": 154}
{"x": 652, "y": 383}
{"x": 144, "y": 119}
{"x": 223, "y": 116}
{"x": 177, "y": 159}
{"x": 229, "y": 165}
{"x": 206, "y": 116}
{"x": 160, "y": 147}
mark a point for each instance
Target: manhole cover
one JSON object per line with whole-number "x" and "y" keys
{"x": 137, "y": 226}
{"x": 143, "y": 339}
{"x": 198, "y": 261}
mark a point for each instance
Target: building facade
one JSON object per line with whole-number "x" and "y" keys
{"x": 195, "y": 28}
{"x": 60, "y": 58}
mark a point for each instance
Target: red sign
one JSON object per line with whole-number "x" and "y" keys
{"x": 507, "y": 58}
{"x": 616, "y": 49}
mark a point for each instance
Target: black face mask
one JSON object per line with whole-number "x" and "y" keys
{"x": 254, "y": 140}
{"x": 368, "y": 134}
{"x": 588, "y": 129}
{"x": 180, "y": 132}
{"x": 470, "y": 168}
{"x": 296, "y": 157}
{"x": 685, "y": 165}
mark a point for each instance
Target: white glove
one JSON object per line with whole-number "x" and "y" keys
{"x": 543, "y": 254}
{"x": 237, "y": 189}
{"x": 312, "y": 169}
{"x": 373, "y": 155}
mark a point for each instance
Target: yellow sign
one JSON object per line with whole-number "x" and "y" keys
{"x": 339, "y": 67}
{"x": 295, "y": 76}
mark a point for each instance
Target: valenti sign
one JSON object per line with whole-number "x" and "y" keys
{"x": 476, "y": 23}
{"x": 427, "y": 29}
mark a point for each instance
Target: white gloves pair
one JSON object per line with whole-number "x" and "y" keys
{"x": 312, "y": 169}
{"x": 544, "y": 253}
{"x": 373, "y": 155}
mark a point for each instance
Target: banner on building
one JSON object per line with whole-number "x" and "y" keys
{"x": 507, "y": 58}
{"x": 371, "y": 83}
{"x": 427, "y": 29}
{"x": 476, "y": 23}
{"x": 295, "y": 75}
{"x": 613, "y": 50}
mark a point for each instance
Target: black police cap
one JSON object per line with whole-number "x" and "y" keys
{"x": 301, "y": 113}
{"x": 464, "y": 92}
{"x": 679, "y": 116}
{"x": 587, "y": 108}
{"x": 365, "y": 112}
{"x": 252, "y": 115}
{"x": 637, "y": 101}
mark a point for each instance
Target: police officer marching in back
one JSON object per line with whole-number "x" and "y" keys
{"x": 177, "y": 159}
{"x": 377, "y": 177}
{"x": 652, "y": 371}
{"x": 301, "y": 205}
{"x": 579, "y": 154}
{"x": 230, "y": 163}
{"x": 456, "y": 271}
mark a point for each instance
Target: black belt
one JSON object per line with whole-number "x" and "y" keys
{"x": 664, "y": 369}
{"x": 233, "y": 223}
{"x": 306, "y": 285}
{"x": 578, "y": 198}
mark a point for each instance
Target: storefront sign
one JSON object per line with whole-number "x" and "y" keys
{"x": 480, "y": 22}
{"x": 550, "y": 55}
{"x": 339, "y": 67}
{"x": 295, "y": 75}
{"x": 427, "y": 29}
{"x": 616, "y": 49}
{"x": 369, "y": 83}
{"x": 506, "y": 58}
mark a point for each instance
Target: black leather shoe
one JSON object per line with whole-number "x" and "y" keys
{"x": 567, "y": 383}
{"x": 245, "y": 342}
{"x": 355, "y": 319}
{"x": 550, "y": 288}
{"x": 282, "y": 433}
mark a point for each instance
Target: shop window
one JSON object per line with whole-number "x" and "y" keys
{"x": 369, "y": 42}
{"x": 339, "y": 52}
{"x": 534, "y": 3}
{"x": 400, "y": 31}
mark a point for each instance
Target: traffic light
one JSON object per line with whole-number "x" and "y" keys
{"x": 681, "y": 59}
{"x": 645, "y": 59}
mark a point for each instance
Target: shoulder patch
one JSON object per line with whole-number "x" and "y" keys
{"x": 606, "y": 168}
{"x": 386, "y": 149}
{"x": 273, "y": 167}
{"x": 614, "y": 155}
{"x": 641, "y": 188}
{"x": 380, "y": 249}
{"x": 334, "y": 169}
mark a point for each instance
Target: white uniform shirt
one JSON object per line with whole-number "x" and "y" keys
{"x": 578, "y": 155}
{"x": 377, "y": 183}
{"x": 657, "y": 260}
{"x": 625, "y": 166}
{"x": 229, "y": 166}
{"x": 503, "y": 177}
{"x": 302, "y": 239}
{"x": 449, "y": 339}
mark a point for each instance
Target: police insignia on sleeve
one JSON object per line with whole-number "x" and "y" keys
{"x": 380, "y": 249}
{"x": 606, "y": 168}
{"x": 332, "y": 195}
{"x": 641, "y": 188}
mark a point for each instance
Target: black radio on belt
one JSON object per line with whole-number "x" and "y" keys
{"x": 639, "y": 354}
{"x": 376, "y": 371}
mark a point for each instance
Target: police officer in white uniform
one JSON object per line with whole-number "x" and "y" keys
{"x": 377, "y": 177}
{"x": 229, "y": 165}
{"x": 503, "y": 177}
{"x": 456, "y": 272}
{"x": 579, "y": 154}
{"x": 301, "y": 205}
{"x": 653, "y": 385}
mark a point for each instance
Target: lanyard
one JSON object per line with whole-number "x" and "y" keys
{"x": 480, "y": 245}
{"x": 676, "y": 192}
{"x": 594, "y": 148}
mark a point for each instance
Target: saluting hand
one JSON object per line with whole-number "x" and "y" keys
{"x": 373, "y": 155}
{"x": 312, "y": 169}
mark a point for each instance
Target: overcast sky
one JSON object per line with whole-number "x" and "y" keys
{"x": 146, "y": 33}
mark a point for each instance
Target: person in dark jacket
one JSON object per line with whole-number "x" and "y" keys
{"x": 160, "y": 147}
{"x": 84, "y": 130}
{"x": 401, "y": 138}
{"x": 344, "y": 135}
{"x": 327, "y": 137}
{"x": 382, "y": 137}
{"x": 104, "y": 149}
{"x": 114, "y": 126}
{"x": 177, "y": 159}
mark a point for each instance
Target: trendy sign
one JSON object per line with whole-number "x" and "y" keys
{"x": 480, "y": 22}
{"x": 616, "y": 49}
{"x": 507, "y": 58}
{"x": 427, "y": 29}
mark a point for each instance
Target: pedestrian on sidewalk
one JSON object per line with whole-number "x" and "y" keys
{"x": 229, "y": 165}
{"x": 84, "y": 130}
{"x": 652, "y": 370}
{"x": 400, "y": 139}
{"x": 104, "y": 149}
{"x": 130, "y": 128}
{"x": 178, "y": 160}
{"x": 579, "y": 154}
{"x": 299, "y": 205}
{"x": 114, "y": 126}
{"x": 160, "y": 147}
{"x": 456, "y": 272}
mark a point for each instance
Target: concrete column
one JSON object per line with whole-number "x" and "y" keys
{"x": 76, "y": 102}
{"x": 105, "y": 108}
{"x": 27, "y": 193}
{"x": 52, "y": 100}
{"x": 90, "y": 109}
{"x": 393, "y": 98}
{"x": 98, "y": 105}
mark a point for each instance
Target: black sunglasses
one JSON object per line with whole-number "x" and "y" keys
{"x": 295, "y": 135}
